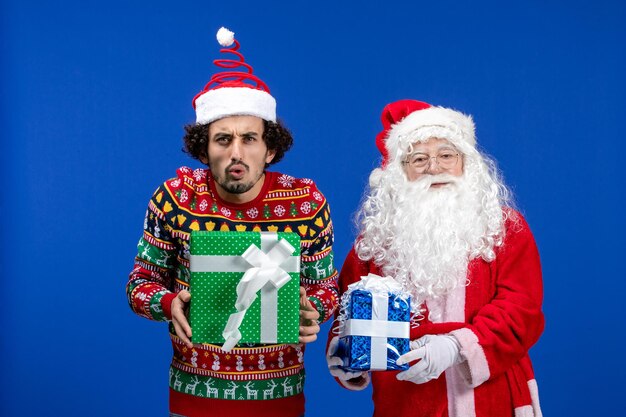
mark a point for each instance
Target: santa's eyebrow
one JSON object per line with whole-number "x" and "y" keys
{"x": 446, "y": 148}
{"x": 443, "y": 147}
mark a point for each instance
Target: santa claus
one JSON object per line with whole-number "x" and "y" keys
{"x": 439, "y": 220}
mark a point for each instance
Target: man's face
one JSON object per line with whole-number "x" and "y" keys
{"x": 237, "y": 155}
{"x": 435, "y": 156}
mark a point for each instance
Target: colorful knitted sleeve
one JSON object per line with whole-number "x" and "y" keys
{"x": 318, "y": 274}
{"x": 150, "y": 284}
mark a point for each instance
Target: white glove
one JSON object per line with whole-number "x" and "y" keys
{"x": 437, "y": 353}
{"x": 355, "y": 381}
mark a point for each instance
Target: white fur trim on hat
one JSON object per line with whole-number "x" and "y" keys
{"x": 444, "y": 123}
{"x": 234, "y": 101}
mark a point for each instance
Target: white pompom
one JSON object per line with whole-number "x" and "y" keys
{"x": 225, "y": 37}
{"x": 375, "y": 177}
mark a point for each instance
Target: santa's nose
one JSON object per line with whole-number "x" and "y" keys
{"x": 433, "y": 165}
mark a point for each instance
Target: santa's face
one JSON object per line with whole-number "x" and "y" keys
{"x": 433, "y": 157}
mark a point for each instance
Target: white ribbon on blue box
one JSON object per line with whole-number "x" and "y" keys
{"x": 379, "y": 329}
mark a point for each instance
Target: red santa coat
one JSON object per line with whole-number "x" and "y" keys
{"x": 496, "y": 319}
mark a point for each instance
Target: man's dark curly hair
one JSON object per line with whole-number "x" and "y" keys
{"x": 275, "y": 135}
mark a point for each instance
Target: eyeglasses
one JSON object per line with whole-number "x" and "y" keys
{"x": 446, "y": 159}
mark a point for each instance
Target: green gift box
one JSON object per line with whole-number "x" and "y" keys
{"x": 245, "y": 287}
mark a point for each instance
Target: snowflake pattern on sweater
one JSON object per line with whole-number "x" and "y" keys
{"x": 190, "y": 202}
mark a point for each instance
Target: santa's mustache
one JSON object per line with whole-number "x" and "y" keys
{"x": 426, "y": 181}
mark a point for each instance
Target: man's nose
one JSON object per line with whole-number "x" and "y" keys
{"x": 236, "y": 150}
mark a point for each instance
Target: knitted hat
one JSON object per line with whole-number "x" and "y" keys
{"x": 408, "y": 121}
{"x": 233, "y": 93}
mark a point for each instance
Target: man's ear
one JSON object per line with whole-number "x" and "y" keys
{"x": 269, "y": 155}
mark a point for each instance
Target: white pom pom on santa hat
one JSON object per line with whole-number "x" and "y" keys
{"x": 231, "y": 92}
{"x": 225, "y": 37}
{"x": 375, "y": 176}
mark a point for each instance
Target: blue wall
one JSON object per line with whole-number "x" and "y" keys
{"x": 94, "y": 97}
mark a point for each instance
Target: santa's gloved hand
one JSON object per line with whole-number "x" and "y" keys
{"x": 355, "y": 381}
{"x": 436, "y": 353}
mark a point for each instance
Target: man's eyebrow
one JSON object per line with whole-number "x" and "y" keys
{"x": 221, "y": 135}
{"x": 250, "y": 133}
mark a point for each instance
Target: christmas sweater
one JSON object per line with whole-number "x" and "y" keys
{"x": 496, "y": 318}
{"x": 204, "y": 378}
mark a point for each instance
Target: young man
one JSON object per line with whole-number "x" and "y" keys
{"x": 237, "y": 135}
{"x": 438, "y": 220}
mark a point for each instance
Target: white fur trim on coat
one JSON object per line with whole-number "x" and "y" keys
{"x": 235, "y": 101}
{"x": 524, "y": 411}
{"x": 534, "y": 397}
{"x": 449, "y": 124}
{"x": 477, "y": 368}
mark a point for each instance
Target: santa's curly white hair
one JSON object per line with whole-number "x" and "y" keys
{"x": 422, "y": 236}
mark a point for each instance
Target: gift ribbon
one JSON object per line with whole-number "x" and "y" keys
{"x": 265, "y": 269}
{"x": 378, "y": 328}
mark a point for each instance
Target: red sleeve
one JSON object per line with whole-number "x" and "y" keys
{"x": 352, "y": 270}
{"x": 503, "y": 330}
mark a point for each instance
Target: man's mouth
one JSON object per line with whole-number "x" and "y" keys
{"x": 236, "y": 171}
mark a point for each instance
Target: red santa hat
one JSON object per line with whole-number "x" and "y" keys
{"x": 404, "y": 123}
{"x": 233, "y": 93}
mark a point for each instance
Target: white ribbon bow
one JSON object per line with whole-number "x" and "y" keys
{"x": 267, "y": 276}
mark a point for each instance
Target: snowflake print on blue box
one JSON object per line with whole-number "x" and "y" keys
{"x": 375, "y": 325}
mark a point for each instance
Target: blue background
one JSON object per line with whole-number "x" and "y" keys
{"x": 94, "y": 97}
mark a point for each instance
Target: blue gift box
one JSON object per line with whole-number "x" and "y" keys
{"x": 370, "y": 343}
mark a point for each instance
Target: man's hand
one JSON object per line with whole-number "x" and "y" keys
{"x": 309, "y": 327}
{"x": 436, "y": 353}
{"x": 355, "y": 381}
{"x": 179, "y": 317}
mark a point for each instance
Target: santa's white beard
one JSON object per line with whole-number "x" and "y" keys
{"x": 424, "y": 237}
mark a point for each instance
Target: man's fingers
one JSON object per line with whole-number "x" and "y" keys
{"x": 309, "y": 314}
{"x": 412, "y": 372}
{"x": 308, "y": 320}
{"x": 411, "y": 356}
{"x": 182, "y": 333}
{"x": 184, "y": 296}
{"x": 334, "y": 362}
{"x": 309, "y": 331}
{"x": 305, "y": 330}
{"x": 416, "y": 344}
{"x": 179, "y": 319}
{"x": 344, "y": 375}
{"x": 305, "y": 305}
{"x": 307, "y": 339}
{"x": 185, "y": 326}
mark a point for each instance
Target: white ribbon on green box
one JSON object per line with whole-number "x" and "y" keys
{"x": 265, "y": 270}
